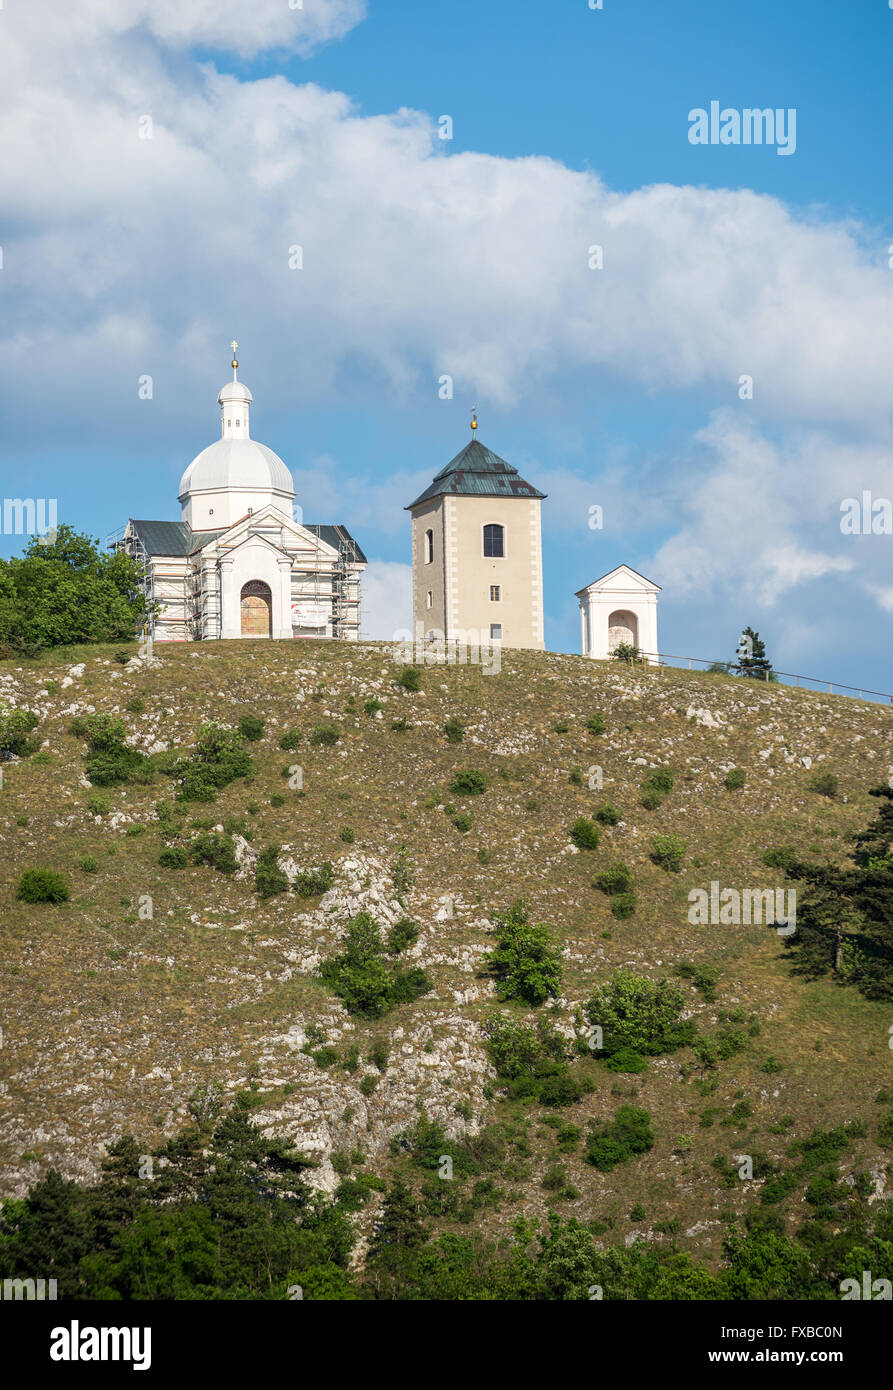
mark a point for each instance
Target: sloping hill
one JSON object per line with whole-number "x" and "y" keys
{"x": 153, "y": 983}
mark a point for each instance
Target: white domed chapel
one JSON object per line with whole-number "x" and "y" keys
{"x": 238, "y": 564}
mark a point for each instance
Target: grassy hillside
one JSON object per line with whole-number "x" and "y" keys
{"x": 153, "y": 983}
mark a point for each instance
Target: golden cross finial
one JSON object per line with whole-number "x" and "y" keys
{"x": 474, "y": 420}
{"x": 235, "y": 364}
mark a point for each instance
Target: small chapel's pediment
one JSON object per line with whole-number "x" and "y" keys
{"x": 624, "y": 578}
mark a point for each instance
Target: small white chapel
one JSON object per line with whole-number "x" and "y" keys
{"x": 620, "y": 607}
{"x": 238, "y": 563}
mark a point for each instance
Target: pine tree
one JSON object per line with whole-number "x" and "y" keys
{"x": 752, "y": 659}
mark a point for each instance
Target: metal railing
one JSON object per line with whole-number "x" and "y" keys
{"x": 731, "y": 667}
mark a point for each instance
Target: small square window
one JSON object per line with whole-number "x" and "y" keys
{"x": 496, "y": 632}
{"x": 495, "y": 594}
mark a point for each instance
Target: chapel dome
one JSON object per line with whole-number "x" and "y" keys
{"x": 237, "y": 463}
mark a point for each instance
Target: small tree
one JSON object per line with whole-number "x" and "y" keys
{"x": 752, "y": 659}
{"x": 525, "y": 962}
{"x": 627, "y": 653}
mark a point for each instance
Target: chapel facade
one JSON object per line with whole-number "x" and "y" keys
{"x": 238, "y": 563}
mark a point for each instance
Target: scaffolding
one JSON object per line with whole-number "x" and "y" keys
{"x": 125, "y": 541}
{"x": 345, "y": 588}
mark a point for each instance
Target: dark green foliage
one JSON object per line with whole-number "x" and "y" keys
{"x": 214, "y": 849}
{"x": 15, "y": 726}
{"x": 175, "y": 857}
{"x": 532, "y": 1061}
{"x": 136, "y": 705}
{"x": 410, "y": 678}
{"x": 781, "y": 858}
{"x": 402, "y": 934}
{"x": 468, "y": 782}
{"x": 454, "y": 729}
{"x": 269, "y": 879}
{"x": 372, "y": 706}
{"x": 752, "y": 659}
{"x": 525, "y": 963}
{"x": 651, "y": 800}
{"x": 623, "y": 905}
{"x": 463, "y": 821}
{"x": 717, "y": 1047}
{"x": 616, "y": 878}
{"x": 324, "y": 736}
{"x": 596, "y": 723}
{"x": 668, "y": 851}
{"x": 845, "y": 915}
{"x": 640, "y": 1014}
{"x": 251, "y": 727}
{"x": 735, "y": 779}
{"x": 347, "y": 834}
{"x": 628, "y": 1134}
{"x": 364, "y": 979}
{"x": 584, "y": 833}
{"x": 226, "y": 1215}
{"x": 825, "y": 783}
{"x": 607, "y": 814}
{"x": 42, "y": 886}
{"x": 217, "y": 760}
{"x": 312, "y": 883}
{"x": 110, "y": 761}
{"x": 289, "y": 739}
{"x": 659, "y": 780}
{"x": 626, "y": 653}
{"x": 65, "y": 590}
{"x": 90, "y": 864}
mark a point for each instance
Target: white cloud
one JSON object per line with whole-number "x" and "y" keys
{"x": 387, "y": 600}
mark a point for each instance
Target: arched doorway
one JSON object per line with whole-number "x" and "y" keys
{"x": 623, "y": 627}
{"x": 256, "y": 606}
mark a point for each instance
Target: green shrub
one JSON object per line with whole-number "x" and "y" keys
{"x": 368, "y": 1084}
{"x": 218, "y": 760}
{"x": 616, "y": 878}
{"x": 454, "y": 729}
{"x": 410, "y": 678}
{"x": 277, "y": 799}
{"x": 735, "y": 779}
{"x": 372, "y": 706}
{"x": 216, "y": 850}
{"x": 251, "y": 727}
{"x": 463, "y": 821}
{"x": 783, "y": 858}
{"x": 136, "y": 705}
{"x": 585, "y": 833}
{"x": 289, "y": 739}
{"x": 363, "y": 978}
{"x": 42, "y": 886}
{"x": 402, "y": 934}
{"x": 623, "y": 905}
{"x": 90, "y": 864}
{"x": 468, "y": 782}
{"x": 532, "y": 1061}
{"x": 626, "y": 653}
{"x": 348, "y": 835}
{"x": 626, "y": 1059}
{"x": 122, "y": 656}
{"x": 825, "y": 783}
{"x": 324, "y": 736}
{"x": 15, "y": 726}
{"x": 629, "y": 1133}
{"x": 668, "y": 851}
{"x": 525, "y": 963}
{"x": 651, "y": 800}
{"x": 98, "y": 804}
{"x": 607, "y": 814}
{"x": 659, "y": 780}
{"x": 575, "y": 777}
{"x": 312, "y": 883}
{"x": 596, "y": 723}
{"x": 174, "y": 857}
{"x": 640, "y": 1014}
{"x": 269, "y": 879}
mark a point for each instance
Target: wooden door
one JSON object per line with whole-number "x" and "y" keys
{"x": 257, "y": 609}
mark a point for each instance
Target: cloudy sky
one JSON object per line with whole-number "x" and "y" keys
{"x": 161, "y": 159}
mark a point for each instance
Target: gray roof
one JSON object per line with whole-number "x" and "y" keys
{"x": 477, "y": 472}
{"x": 175, "y": 538}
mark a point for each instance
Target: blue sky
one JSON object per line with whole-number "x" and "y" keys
{"x": 126, "y": 256}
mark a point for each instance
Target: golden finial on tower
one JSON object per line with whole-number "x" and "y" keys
{"x": 234, "y": 363}
{"x": 474, "y": 421}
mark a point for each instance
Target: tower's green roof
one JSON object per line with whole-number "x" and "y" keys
{"x": 477, "y": 472}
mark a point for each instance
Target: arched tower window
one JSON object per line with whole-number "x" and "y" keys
{"x": 429, "y": 547}
{"x": 494, "y": 541}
